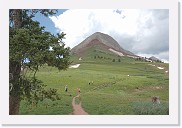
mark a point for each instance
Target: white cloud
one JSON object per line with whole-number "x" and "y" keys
{"x": 139, "y": 31}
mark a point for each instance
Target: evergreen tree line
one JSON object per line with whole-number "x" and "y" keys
{"x": 107, "y": 58}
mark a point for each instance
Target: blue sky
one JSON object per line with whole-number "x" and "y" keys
{"x": 47, "y": 22}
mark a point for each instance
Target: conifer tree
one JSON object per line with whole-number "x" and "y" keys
{"x": 31, "y": 47}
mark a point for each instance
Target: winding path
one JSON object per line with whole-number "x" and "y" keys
{"x": 77, "y": 108}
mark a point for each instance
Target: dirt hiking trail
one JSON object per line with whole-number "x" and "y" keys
{"x": 77, "y": 108}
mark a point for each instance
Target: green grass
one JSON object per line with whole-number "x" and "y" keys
{"x": 48, "y": 107}
{"x": 113, "y": 92}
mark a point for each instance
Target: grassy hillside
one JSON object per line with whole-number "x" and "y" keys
{"x": 119, "y": 87}
{"x": 99, "y": 54}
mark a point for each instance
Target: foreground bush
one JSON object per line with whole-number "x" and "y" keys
{"x": 149, "y": 108}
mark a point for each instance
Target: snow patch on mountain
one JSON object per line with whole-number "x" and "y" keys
{"x": 116, "y": 52}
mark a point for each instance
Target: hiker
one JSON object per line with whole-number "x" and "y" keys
{"x": 90, "y": 82}
{"x": 66, "y": 88}
{"x": 78, "y": 91}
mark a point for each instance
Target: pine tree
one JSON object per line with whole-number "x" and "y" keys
{"x": 29, "y": 41}
{"x": 119, "y": 60}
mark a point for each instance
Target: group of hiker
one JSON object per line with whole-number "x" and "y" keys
{"x": 66, "y": 89}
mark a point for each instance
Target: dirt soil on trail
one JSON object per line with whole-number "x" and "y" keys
{"x": 77, "y": 108}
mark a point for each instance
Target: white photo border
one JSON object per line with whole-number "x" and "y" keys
{"x": 171, "y": 119}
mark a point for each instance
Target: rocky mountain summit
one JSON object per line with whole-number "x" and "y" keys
{"x": 104, "y": 41}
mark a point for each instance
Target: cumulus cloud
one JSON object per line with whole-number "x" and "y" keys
{"x": 139, "y": 31}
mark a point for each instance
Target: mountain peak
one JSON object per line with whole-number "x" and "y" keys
{"x": 153, "y": 58}
{"x": 103, "y": 40}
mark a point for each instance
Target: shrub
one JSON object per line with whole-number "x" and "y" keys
{"x": 149, "y": 108}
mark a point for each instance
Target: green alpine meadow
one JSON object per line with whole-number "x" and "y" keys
{"x": 110, "y": 84}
